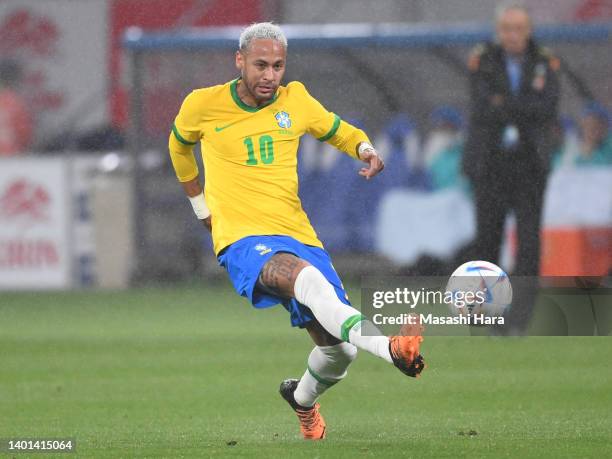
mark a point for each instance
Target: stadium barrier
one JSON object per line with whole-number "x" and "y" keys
{"x": 70, "y": 223}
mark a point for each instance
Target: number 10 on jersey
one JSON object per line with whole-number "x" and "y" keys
{"x": 266, "y": 150}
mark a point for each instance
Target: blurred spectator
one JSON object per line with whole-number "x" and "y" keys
{"x": 15, "y": 119}
{"x": 444, "y": 147}
{"x": 514, "y": 91}
{"x": 399, "y": 146}
{"x": 596, "y": 141}
{"x": 594, "y": 144}
{"x": 400, "y": 143}
{"x": 446, "y": 124}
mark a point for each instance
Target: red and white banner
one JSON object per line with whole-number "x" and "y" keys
{"x": 34, "y": 224}
{"x": 62, "y": 49}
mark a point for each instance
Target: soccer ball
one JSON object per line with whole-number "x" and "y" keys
{"x": 479, "y": 288}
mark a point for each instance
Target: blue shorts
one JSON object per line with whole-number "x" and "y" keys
{"x": 245, "y": 258}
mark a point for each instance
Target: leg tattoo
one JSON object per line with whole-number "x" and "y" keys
{"x": 279, "y": 273}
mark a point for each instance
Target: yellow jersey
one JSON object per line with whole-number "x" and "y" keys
{"x": 250, "y": 158}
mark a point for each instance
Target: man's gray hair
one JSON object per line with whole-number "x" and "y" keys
{"x": 501, "y": 8}
{"x": 261, "y": 30}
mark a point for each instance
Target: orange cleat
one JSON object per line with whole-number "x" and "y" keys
{"x": 404, "y": 350}
{"x": 312, "y": 423}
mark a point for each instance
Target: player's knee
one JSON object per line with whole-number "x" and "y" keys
{"x": 349, "y": 352}
{"x": 312, "y": 287}
{"x": 345, "y": 353}
{"x": 301, "y": 264}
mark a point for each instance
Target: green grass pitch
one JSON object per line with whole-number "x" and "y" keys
{"x": 194, "y": 372}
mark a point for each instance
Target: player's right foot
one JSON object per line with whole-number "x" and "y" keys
{"x": 404, "y": 350}
{"x": 312, "y": 423}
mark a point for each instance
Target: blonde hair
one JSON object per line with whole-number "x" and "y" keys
{"x": 261, "y": 30}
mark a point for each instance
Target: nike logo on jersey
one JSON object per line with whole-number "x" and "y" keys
{"x": 220, "y": 128}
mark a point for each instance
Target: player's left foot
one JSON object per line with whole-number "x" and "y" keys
{"x": 404, "y": 350}
{"x": 312, "y": 423}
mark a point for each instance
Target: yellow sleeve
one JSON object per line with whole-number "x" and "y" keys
{"x": 347, "y": 138}
{"x": 328, "y": 127}
{"x": 184, "y": 136}
{"x": 183, "y": 160}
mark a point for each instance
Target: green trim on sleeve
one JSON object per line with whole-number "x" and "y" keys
{"x": 348, "y": 324}
{"x": 180, "y": 138}
{"x": 332, "y": 131}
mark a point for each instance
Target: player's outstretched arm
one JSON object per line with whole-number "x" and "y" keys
{"x": 328, "y": 127}
{"x": 353, "y": 141}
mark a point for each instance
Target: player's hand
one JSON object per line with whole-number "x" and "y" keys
{"x": 207, "y": 223}
{"x": 375, "y": 163}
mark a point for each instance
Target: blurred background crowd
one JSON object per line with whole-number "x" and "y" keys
{"x": 87, "y": 194}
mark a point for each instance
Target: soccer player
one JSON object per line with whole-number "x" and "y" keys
{"x": 249, "y": 130}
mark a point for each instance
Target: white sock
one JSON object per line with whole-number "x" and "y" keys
{"x": 326, "y": 366}
{"x": 365, "y": 335}
{"x": 340, "y": 320}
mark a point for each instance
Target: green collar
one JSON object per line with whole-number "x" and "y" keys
{"x": 241, "y": 104}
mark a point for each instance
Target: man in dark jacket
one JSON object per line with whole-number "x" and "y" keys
{"x": 514, "y": 92}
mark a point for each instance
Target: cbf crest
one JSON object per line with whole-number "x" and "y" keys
{"x": 262, "y": 249}
{"x": 283, "y": 120}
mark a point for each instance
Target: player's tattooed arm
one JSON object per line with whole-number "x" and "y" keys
{"x": 279, "y": 273}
